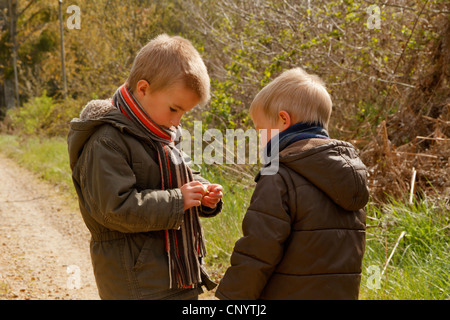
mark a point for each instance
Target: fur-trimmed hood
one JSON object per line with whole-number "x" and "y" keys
{"x": 96, "y": 109}
{"x": 95, "y": 114}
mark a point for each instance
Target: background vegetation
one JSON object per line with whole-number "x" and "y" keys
{"x": 390, "y": 89}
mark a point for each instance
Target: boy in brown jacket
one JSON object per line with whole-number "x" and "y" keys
{"x": 304, "y": 231}
{"x": 138, "y": 197}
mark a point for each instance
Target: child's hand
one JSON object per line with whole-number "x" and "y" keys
{"x": 212, "y": 196}
{"x": 193, "y": 193}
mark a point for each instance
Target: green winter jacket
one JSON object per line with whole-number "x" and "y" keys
{"x": 117, "y": 178}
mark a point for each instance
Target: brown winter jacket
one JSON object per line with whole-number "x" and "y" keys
{"x": 304, "y": 231}
{"x": 117, "y": 179}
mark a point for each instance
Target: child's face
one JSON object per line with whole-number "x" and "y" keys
{"x": 267, "y": 129}
{"x": 166, "y": 106}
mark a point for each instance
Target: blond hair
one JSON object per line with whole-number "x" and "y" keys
{"x": 300, "y": 94}
{"x": 165, "y": 61}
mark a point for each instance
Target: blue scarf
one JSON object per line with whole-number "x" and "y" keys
{"x": 297, "y": 132}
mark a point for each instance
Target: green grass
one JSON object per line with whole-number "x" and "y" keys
{"x": 419, "y": 267}
{"x": 47, "y": 157}
{"x": 222, "y": 231}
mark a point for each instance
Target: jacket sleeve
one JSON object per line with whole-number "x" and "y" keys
{"x": 108, "y": 184}
{"x": 266, "y": 226}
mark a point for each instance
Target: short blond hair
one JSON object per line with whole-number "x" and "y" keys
{"x": 302, "y": 95}
{"x": 167, "y": 60}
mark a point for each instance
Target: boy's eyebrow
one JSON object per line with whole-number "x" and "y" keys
{"x": 178, "y": 107}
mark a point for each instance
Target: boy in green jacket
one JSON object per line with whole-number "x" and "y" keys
{"x": 137, "y": 195}
{"x": 304, "y": 231}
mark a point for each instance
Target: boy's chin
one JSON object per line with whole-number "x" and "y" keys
{"x": 171, "y": 128}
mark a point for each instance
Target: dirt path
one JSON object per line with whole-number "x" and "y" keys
{"x": 44, "y": 246}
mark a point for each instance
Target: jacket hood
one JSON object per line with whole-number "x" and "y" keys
{"x": 94, "y": 115}
{"x": 333, "y": 166}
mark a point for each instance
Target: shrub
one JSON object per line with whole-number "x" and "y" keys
{"x": 43, "y": 116}
{"x": 33, "y": 117}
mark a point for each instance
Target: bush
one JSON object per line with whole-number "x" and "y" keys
{"x": 33, "y": 117}
{"x": 43, "y": 116}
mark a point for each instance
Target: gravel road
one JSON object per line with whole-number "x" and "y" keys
{"x": 44, "y": 245}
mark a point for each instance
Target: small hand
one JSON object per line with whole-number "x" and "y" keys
{"x": 193, "y": 193}
{"x": 213, "y": 194}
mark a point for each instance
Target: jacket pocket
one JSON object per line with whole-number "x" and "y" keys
{"x": 151, "y": 268}
{"x": 109, "y": 271}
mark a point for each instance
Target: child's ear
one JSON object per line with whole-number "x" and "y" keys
{"x": 141, "y": 88}
{"x": 284, "y": 119}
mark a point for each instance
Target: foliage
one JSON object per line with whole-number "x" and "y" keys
{"x": 419, "y": 266}
{"x": 254, "y": 41}
{"x": 245, "y": 45}
{"x": 35, "y": 25}
{"x": 34, "y": 116}
{"x": 43, "y": 116}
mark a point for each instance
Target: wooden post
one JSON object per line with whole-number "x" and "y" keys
{"x": 12, "y": 30}
{"x": 63, "y": 64}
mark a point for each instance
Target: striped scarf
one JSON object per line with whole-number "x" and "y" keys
{"x": 185, "y": 246}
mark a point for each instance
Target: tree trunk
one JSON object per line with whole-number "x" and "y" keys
{"x": 12, "y": 6}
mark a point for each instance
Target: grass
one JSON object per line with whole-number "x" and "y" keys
{"x": 222, "y": 231}
{"x": 47, "y": 157}
{"x": 419, "y": 267}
